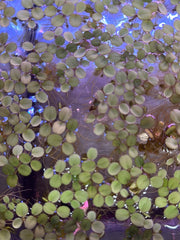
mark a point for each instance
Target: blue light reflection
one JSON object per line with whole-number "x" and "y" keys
{"x": 33, "y": 98}
{"x": 31, "y": 111}
{"x": 67, "y": 159}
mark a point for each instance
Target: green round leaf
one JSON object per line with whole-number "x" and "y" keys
{"x": 36, "y": 165}
{"x": 84, "y": 177}
{"x": 109, "y": 71}
{"x": 163, "y": 191}
{"x": 148, "y": 224}
{"x": 75, "y": 20}
{"x": 145, "y": 204}
{"x": 75, "y": 204}
{"x": 74, "y": 159}
{"x": 142, "y": 182}
{"x": 67, "y": 196}
{"x": 88, "y": 166}
{"x": 49, "y": 208}
{"x": 63, "y": 211}
{"x": 60, "y": 166}
{"x": 24, "y": 170}
{"x": 114, "y": 168}
{"x": 67, "y": 148}
{"x": 48, "y": 35}
{"x": 124, "y": 108}
{"x": 25, "y": 158}
{"x": 173, "y": 183}
{"x": 105, "y": 189}
{"x": 78, "y": 215}
{"x": 125, "y": 161}
{"x": 45, "y": 130}
{"x": 57, "y": 20}
{"x": 12, "y": 180}
{"x": 128, "y": 10}
{"x": 97, "y": 177}
{"x": 21, "y": 209}
{"x": 116, "y": 186}
{"x": 54, "y": 140}
{"x": 98, "y": 200}
{"x": 50, "y": 113}
{"x": 156, "y": 182}
{"x": 137, "y": 219}
{"x": 109, "y": 201}
{"x": 41, "y": 97}
{"x": 72, "y": 124}
{"x": 17, "y": 223}
{"x": 149, "y": 167}
{"x": 36, "y": 209}
{"x": 30, "y": 222}
{"x": 37, "y": 13}
{"x": 177, "y": 24}
{"x": 161, "y": 202}
{"x": 65, "y": 114}
{"x": 103, "y": 163}
{"x": 75, "y": 170}
{"x": 48, "y": 173}
{"x": 54, "y": 196}
{"x": 144, "y": 14}
{"x": 99, "y": 129}
{"x": 25, "y": 103}
{"x": 147, "y": 25}
{"x": 147, "y": 122}
{"x": 50, "y": 11}
{"x": 171, "y": 143}
{"x": 171, "y": 212}
{"x": 33, "y": 87}
{"x": 91, "y": 215}
{"x": 174, "y": 197}
{"x": 28, "y": 135}
{"x": 55, "y": 181}
{"x": 136, "y": 111}
{"x": 122, "y": 214}
{"x": 23, "y": 15}
{"x": 26, "y": 234}
{"x": 37, "y": 152}
{"x": 5, "y": 234}
{"x": 81, "y": 196}
{"x": 35, "y": 121}
{"x": 68, "y": 8}
{"x": 98, "y": 227}
{"x": 92, "y": 153}
{"x": 3, "y": 161}
{"x": 59, "y": 127}
{"x": 66, "y": 178}
{"x": 124, "y": 177}
{"x": 17, "y": 150}
{"x": 27, "y": 3}
{"x": 12, "y": 139}
{"x": 80, "y": 7}
{"x": 175, "y": 115}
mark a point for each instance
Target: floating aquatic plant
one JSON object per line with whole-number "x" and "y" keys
{"x": 128, "y": 106}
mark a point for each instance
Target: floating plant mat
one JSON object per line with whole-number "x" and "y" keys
{"x": 89, "y": 119}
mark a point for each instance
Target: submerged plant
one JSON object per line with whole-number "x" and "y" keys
{"x": 89, "y": 117}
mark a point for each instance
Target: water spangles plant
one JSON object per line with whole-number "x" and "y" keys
{"x": 38, "y": 133}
